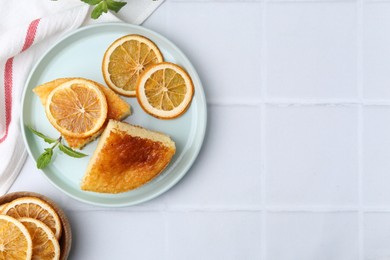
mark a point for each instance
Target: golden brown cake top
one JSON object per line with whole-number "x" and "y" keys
{"x": 127, "y": 158}
{"x": 124, "y": 152}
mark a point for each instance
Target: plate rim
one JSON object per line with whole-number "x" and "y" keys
{"x": 202, "y": 130}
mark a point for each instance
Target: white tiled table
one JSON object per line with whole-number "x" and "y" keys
{"x": 296, "y": 161}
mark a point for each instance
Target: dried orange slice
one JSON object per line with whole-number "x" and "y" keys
{"x": 44, "y": 243}
{"x": 77, "y": 108}
{"x": 15, "y": 241}
{"x": 3, "y": 206}
{"x": 34, "y": 208}
{"x": 124, "y": 61}
{"x": 165, "y": 90}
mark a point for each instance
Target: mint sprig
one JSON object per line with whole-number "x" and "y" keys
{"x": 102, "y": 6}
{"x": 69, "y": 151}
{"x": 44, "y": 137}
{"x": 45, "y": 158}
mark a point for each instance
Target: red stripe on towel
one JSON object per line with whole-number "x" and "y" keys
{"x": 32, "y": 30}
{"x": 8, "y": 76}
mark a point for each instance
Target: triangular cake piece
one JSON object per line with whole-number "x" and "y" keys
{"x": 118, "y": 109}
{"x": 127, "y": 157}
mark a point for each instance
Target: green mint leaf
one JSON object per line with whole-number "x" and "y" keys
{"x": 44, "y": 137}
{"x": 92, "y": 2}
{"x": 99, "y": 9}
{"x": 115, "y": 5}
{"x": 69, "y": 151}
{"x": 45, "y": 158}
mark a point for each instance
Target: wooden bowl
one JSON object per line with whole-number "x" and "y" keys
{"x": 66, "y": 237}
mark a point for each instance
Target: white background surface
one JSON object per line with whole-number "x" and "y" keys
{"x": 296, "y": 160}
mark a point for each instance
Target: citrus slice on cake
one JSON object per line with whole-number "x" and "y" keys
{"x": 165, "y": 90}
{"x": 77, "y": 108}
{"x": 125, "y": 60}
{"x": 34, "y": 208}
{"x": 44, "y": 243}
{"x": 15, "y": 241}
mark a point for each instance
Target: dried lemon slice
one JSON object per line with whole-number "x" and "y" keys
{"x": 165, "y": 90}
{"x": 125, "y": 60}
{"x": 44, "y": 243}
{"x": 15, "y": 241}
{"x": 34, "y": 208}
{"x": 77, "y": 108}
{"x": 3, "y": 206}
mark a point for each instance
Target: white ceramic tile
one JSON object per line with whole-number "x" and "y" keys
{"x": 311, "y": 155}
{"x": 376, "y": 150}
{"x": 214, "y": 235}
{"x": 223, "y": 42}
{"x": 227, "y": 171}
{"x": 376, "y": 236}
{"x": 376, "y": 51}
{"x": 308, "y": 236}
{"x": 311, "y": 50}
{"x": 102, "y": 235}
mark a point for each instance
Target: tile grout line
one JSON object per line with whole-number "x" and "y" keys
{"x": 259, "y": 1}
{"x": 313, "y": 1}
{"x": 263, "y": 150}
{"x": 295, "y": 102}
{"x": 237, "y": 209}
{"x": 360, "y": 181}
{"x": 360, "y": 128}
{"x": 226, "y": 1}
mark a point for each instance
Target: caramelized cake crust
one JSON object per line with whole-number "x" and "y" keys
{"x": 125, "y": 159}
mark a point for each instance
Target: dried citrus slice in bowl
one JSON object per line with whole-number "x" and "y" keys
{"x": 125, "y": 60}
{"x": 3, "y": 206}
{"x": 34, "y": 208}
{"x": 44, "y": 243}
{"x": 77, "y": 108}
{"x": 15, "y": 241}
{"x": 165, "y": 90}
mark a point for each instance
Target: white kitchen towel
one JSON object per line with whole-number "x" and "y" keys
{"x": 23, "y": 39}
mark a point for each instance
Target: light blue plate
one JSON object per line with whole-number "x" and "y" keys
{"x": 80, "y": 54}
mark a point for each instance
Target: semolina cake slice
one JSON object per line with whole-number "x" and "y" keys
{"x": 127, "y": 157}
{"x": 118, "y": 109}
